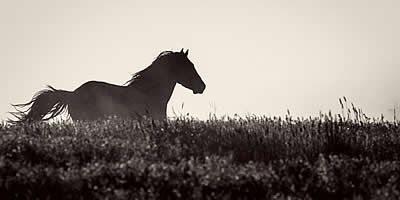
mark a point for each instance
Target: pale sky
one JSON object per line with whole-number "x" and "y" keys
{"x": 257, "y": 57}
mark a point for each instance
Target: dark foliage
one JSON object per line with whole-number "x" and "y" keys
{"x": 255, "y": 157}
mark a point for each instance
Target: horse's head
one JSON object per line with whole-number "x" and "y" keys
{"x": 185, "y": 74}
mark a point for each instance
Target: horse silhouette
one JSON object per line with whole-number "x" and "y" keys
{"x": 146, "y": 94}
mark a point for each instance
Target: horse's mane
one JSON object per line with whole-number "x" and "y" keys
{"x": 141, "y": 74}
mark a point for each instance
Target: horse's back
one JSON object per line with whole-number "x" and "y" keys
{"x": 96, "y": 99}
{"x": 96, "y": 85}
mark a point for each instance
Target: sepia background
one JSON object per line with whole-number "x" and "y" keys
{"x": 257, "y": 56}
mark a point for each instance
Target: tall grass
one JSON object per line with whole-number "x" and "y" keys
{"x": 337, "y": 156}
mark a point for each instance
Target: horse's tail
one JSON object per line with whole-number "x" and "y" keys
{"x": 49, "y": 102}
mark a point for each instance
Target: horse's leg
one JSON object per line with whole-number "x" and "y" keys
{"x": 82, "y": 110}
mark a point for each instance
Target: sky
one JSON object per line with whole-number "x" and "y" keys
{"x": 257, "y": 57}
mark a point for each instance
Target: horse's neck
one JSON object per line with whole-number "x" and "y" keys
{"x": 156, "y": 84}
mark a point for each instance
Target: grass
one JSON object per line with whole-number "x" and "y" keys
{"x": 329, "y": 157}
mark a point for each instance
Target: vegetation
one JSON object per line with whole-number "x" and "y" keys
{"x": 329, "y": 157}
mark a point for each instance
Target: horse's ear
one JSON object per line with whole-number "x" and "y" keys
{"x": 181, "y": 51}
{"x": 187, "y": 52}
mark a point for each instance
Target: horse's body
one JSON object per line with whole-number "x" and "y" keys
{"x": 146, "y": 94}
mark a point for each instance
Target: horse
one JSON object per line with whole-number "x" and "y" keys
{"x": 146, "y": 94}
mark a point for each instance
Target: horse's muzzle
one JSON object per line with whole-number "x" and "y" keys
{"x": 200, "y": 90}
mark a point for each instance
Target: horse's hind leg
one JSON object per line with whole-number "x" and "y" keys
{"x": 77, "y": 112}
{"x": 84, "y": 112}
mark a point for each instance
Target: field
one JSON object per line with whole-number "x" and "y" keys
{"x": 328, "y": 157}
